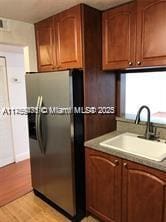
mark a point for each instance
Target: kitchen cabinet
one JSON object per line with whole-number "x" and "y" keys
{"x": 59, "y": 41}
{"x": 134, "y": 35}
{"x": 144, "y": 194}
{"x": 45, "y": 45}
{"x": 121, "y": 190}
{"x": 151, "y": 33}
{"x": 119, "y": 31}
{"x": 67, "y": 30}
{"x": 103, "y": 183}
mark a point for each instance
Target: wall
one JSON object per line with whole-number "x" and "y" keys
{"x": 18, "y": 62}
{"x": 22, "y": 34}
{"x": 17, "y": 98}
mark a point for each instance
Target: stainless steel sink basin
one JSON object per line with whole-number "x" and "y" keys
{"x": 130, "y": 143}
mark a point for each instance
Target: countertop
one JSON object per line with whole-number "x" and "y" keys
{"x": 95, "y": 144}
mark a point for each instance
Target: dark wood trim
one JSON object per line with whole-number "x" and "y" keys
{"x": 99, "y": 86}
{"x": 118, "y": 94}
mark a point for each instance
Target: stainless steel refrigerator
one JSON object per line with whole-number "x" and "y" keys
{"x": 56, "y": 140}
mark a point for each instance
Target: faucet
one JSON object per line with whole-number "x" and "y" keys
{"x": 149, "y": 132}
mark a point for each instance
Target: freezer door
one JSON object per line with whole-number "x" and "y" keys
{"x": 56, "y": 145}
{"x": 35, "y": 153}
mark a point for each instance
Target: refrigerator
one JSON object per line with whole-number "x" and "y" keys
{"x": 56, "y": 140}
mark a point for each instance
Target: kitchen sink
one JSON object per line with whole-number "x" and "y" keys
{"x": 130, "y": 143}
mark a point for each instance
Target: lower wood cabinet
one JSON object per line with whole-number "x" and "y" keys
{"x": 103, "y": 185}
{"x": 119, "y": 190}
{"x": 144, "y": 194}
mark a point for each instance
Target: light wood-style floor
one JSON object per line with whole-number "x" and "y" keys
{"x": 15, "y": 181}
{"x": 17, "y": 201}
{"x": 30, "y": 208}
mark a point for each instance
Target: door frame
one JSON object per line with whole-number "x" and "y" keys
{"x": 11, "y": 128}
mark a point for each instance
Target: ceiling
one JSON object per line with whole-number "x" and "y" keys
{"x": 35, "y": 10}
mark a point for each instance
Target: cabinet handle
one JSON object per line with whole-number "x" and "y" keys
{"x": 130, "y": 63}
{"x": 116, "y": 162}
{"x": 138, "y": 63}
{"x": 125, "y": 165}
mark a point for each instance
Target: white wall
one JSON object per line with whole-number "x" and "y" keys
{"x": 22, "y": 34}
{"x": 17, "y": 98}
{"x": 19, "y": 34}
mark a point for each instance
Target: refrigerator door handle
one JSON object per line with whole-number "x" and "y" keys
{"x": 39, "y": 126}
{"x": 37, "y": 120}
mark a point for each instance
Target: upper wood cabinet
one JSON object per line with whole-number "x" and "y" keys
{"x": 151, "y": 33}
{"x": 103, "y": 185}
{"x": 119, "y": 31}
{"x": 144, "y": 194}
{"x": 67, "y": 30}
{"x": 45, "y": 45}
{"x": 134, "y": 35}
{"x": 59, "y": 41}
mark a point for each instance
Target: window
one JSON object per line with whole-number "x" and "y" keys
{"x": 144, "y": 89}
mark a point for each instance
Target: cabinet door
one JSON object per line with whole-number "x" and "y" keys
{"x": 144, "y": 194}
{"x": 67, "y": 27}
{"x": 103, "y": 185}
{"x": 151, "y": 33}
{"x": 45, "y": 45}
{"x": 119, "y": 34}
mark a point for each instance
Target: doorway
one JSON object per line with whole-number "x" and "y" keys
{"x": 6, "y": 138}
{"x": 15, "y": 173}
{"x": 15, "y": 81}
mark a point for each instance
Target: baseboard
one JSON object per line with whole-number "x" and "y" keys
{"x": 22, "y": 156}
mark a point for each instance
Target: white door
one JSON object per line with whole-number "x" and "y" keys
{"x": 6, "y": 142}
